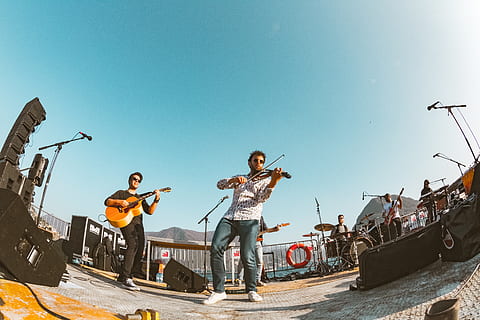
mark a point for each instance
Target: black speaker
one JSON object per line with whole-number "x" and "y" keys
{"x": 85, "y": 234}
{"x": 181, "y": 278}
{"x": 31, "y": 116}
{"x": 38, "y": 169}
{"x": 461, "y": 239}
{"x": 24, "y": 250}
{"x": 400, "y": 257}
{"x": 10, "y": 177}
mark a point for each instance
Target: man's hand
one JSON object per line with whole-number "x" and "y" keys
{"x": 157, "y": 194}
{"x": 239, "y": 179}
{"x": 275, "y": 177}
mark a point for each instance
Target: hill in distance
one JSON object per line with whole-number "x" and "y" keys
{"x": 373, "y": 209}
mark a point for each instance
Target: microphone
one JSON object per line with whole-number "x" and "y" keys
{"x": 225, "y": 198}
{"x": 436, "y": 155}
{"x": 86, "y": 136}
{"x": 433, "y": 106}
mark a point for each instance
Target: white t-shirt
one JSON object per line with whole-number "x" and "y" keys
{"x": 388, "y": 205}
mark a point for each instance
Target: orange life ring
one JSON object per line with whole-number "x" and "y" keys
{"x": 308, "y": 255}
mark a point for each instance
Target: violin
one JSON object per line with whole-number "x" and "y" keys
{"x": 265, "y": 173}
{"x": 269, "y": 173}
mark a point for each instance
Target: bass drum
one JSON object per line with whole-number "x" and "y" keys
{"x": 354, "y": 249}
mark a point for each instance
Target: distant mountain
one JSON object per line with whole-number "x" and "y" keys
{"x": 182, "y": 235}
{"x": 374, "y": 208}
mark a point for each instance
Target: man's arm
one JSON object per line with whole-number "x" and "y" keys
{"x": 151, "y": 209}
{"x": 231, "y": 183}
{"x": 116, "y": 203}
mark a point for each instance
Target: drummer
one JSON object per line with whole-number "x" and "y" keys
{"x": 340, "y": 231}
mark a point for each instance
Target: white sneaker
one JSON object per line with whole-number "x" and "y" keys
{"x": 128, "y": 284}
{"x": 215, "y": 297}
{"x": 254, "y": 297}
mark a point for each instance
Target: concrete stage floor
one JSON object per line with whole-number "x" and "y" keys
{"x": 326, "y": 297}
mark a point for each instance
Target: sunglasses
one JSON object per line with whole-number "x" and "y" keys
{"x": 258, "y": 161}
{"x": 136, "y": 179}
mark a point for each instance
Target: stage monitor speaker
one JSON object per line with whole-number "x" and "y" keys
{"x": 400, "y": 257}
{"x": 181, "y": 278}
{"x": 24, "y": 249}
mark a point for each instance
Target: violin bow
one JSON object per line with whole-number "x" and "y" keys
{"x": 265, "y": 168}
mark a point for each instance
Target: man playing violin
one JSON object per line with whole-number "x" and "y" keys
{"x": 133, "y": 233}
{"x": 242, "y": 219}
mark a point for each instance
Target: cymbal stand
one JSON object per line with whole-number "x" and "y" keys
{"x": 320, "y": 218}
{"x": 324, "y": 267}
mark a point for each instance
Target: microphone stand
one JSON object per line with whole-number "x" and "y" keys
{"x": 449, "y": 109}
{"x": 377, "y": 225}
{"x": 59, "y": 146}
{"x": 447, "y": 158}
{"x": 205, "y": 218}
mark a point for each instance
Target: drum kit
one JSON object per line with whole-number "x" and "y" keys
{"x": 338, "y": 252}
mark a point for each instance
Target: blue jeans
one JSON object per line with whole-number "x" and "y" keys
{"x": 225, "y": 232}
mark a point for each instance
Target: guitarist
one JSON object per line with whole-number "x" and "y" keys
{"x": 133, "y": 233}
{"x": 258, "y": 252}
{"x": 259, "y": 248}
{"x": 393, "y": 208}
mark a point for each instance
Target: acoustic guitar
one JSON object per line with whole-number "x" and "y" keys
{"x": 120, "y": 217}
{"x": 259, "y": 238}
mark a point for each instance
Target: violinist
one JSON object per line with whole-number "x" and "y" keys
{"x": 242, "y": 219}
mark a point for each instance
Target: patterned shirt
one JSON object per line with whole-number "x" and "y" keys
{"x": 248, "y": 198}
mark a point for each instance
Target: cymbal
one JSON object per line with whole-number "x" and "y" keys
{"x": 324, "y": 227}
{"x": 311, "y": 234}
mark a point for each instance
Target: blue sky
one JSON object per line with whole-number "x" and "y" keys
{"x": 184, "y": 90}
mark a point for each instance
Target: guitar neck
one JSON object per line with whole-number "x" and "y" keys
{"x": 147, "y": 195}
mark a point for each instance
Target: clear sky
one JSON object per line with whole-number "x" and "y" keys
{"x": 184, "y": 90}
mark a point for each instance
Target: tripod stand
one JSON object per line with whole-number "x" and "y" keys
{"x": 205, "y": 218}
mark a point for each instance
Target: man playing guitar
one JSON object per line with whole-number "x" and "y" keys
{"x": 391, "y": 212}
{"x": 133, "y": 233}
